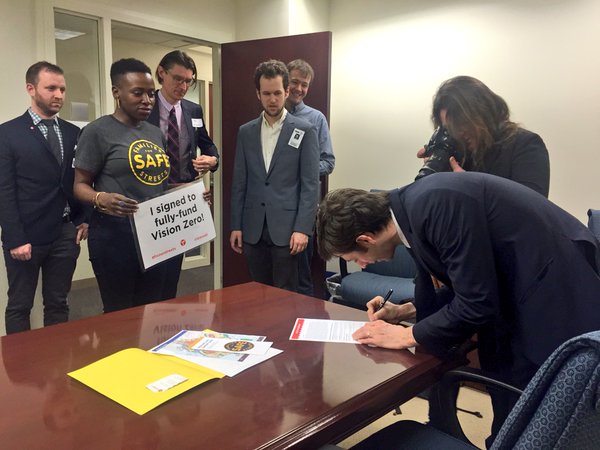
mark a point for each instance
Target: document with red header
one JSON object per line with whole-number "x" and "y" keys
{"x": 322, "y": 330}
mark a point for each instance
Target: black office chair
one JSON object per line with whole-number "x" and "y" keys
{"x": 559, "y": 409}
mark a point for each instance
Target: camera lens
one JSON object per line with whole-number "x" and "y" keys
{"x": 440, "y": 148}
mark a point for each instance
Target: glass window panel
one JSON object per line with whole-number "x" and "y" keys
{"x": 78, "y": 56}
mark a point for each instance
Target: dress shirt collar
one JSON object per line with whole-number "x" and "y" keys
{"x": 400, "y": 233}
{"x": 297, "y": 108}
{"x": 277, "y": 124}
{"x": 37, "y": 118}
{"x": 165, "y": 104}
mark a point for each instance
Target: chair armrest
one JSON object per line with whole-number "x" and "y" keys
{"x": 444, "y": 398}
{"x": 464, "y": 374}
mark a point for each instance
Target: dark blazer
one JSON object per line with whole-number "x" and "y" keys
{"x": 286, "y": 195}
{"x": 199, "y": 137}
{"x": 34, "y": 188}
{"x": 523, "y": 158}
{"x": 521, "y": 272}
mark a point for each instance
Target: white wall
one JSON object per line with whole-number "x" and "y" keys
{"x": 258, "y": 19}
{"x": 17, "y": 53}
{"x": 389, "y": 58}
{"x": 308, "y": 16}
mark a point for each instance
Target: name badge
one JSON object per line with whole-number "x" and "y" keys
{"x": 296, "y": 138}
{"x": 197, "y": 123}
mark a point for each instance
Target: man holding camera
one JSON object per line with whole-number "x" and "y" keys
{"x": 517, "y": 270}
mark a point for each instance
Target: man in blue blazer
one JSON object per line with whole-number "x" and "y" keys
{"x": 182, "y": 125}
{"x": 275, "y": 184}
{"x": 41, "y": 222}
{"x": 517, "y": 270}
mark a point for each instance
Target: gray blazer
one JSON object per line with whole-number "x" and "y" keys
{"x": 286, "y": 195}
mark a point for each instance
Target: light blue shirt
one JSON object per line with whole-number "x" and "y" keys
{"x": 318, "y": 120}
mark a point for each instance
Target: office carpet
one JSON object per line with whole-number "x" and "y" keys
{"x": 476, "y": 429}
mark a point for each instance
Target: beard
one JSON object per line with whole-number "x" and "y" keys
{"x": 49, "y": 109}
{"x": 277, "y": 114}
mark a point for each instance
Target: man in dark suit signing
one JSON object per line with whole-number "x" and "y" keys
{"x": 182, "y": 124}
{"x": 519, "y": 271}
{"x": 42, "y": 224}
{"x": 275, "y": 184}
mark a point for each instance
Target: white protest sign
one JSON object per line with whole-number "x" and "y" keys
{"x": 173, "y": 223}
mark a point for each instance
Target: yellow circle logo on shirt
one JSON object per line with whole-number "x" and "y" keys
{"x": 149, "y": 162}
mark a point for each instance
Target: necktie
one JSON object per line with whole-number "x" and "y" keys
{"x": 53, "y": 141}
{"x": 173, "y": 146}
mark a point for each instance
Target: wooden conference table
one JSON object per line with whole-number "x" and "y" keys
{"x": 311, "y": 394}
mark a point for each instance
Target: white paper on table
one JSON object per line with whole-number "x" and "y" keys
{"x": 230, "y": 364}
{"x": 322, "y": 330}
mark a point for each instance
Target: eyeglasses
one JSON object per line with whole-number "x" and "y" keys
{"x": 180, "y": 80}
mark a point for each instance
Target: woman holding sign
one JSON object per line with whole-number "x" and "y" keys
{"x": 120, "y": 161}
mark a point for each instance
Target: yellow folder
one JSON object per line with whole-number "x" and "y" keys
{"x": 123, "y": 377}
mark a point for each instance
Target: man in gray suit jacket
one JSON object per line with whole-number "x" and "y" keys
{"x": 275, "y": 184}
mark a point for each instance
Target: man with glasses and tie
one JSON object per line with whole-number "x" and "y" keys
{"x": 182, "y": 124}
{"x": 42, "y": 224}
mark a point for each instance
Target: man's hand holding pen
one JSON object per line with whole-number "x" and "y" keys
{"x": 379, "y": 331}
{"x": 390, "y": 312}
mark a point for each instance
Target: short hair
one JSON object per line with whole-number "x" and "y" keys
{"x": 470, "y": 103}
{"x": 32, "y": 75}
{"x": 127, "y": 65}
{"x": 303, "y": 67}
{"x": 345, "y": 214}
{"x": 271, "y": 69}
{"x": 177, "y": 57}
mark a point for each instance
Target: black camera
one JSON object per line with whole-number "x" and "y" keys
{"x": 439, "y": 150}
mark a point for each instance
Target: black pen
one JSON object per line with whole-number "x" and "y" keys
{"x": 385, "y": 299}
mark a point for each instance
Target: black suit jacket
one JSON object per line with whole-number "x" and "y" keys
{"x": 523, "y": 158}
{"x": 521, "y": 272}
{"x": 199, "y": 137}
{"x": 34, "y": 188}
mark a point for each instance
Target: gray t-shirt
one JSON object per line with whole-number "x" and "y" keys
{"x": 124, "y": 159}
